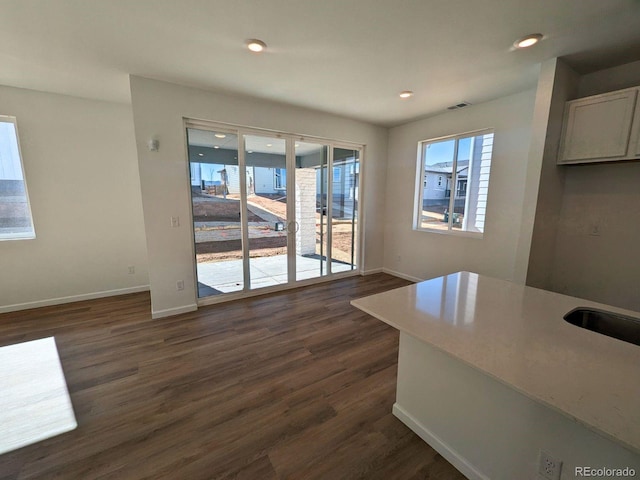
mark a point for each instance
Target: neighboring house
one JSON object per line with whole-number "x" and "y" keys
{"x": 207, "y": 174}
{"x": 273, "y": 181}
{"x": 270, "y": 181}
{"x": 345, "y": 180}
{"x": 438, "y": 181}
{"x": 470, "y": 196}
{"x": 260, "y": 180}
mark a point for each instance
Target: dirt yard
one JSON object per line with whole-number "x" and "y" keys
{"x": 221, "y": 210}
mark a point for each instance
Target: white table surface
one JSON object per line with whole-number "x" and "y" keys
{"x": 517, "y": 335}
{"x": 34, "y": 400}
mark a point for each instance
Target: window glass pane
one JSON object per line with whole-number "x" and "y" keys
{"x": 280, "y": 178}
{"x": 478, "y": 189}
{"x": 265, "y": 158}
{"x": 344, "y": 208}
{"x": 311, "y": 209}
{"x": 215, "y": 199}
{"x": 436, "y": 195}
{"x": 15, "y": 213}
{"x": 463, "y": 162}
{"x": 472, "y": 187}
{"x": 465, "y": 177}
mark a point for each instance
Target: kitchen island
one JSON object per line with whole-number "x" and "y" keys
{"x": 489, "y": 374}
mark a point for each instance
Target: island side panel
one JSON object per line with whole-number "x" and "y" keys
{"x": 484, "y": 428}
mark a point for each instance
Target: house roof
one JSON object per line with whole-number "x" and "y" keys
{"x": 445, "y": 167}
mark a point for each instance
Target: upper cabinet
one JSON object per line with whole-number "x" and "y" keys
{"x": 601, "y": 128}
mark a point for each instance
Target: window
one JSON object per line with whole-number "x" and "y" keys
{"x": 279, "y": 178}
{"x": 455, "y": 200}
{"x": 15, "y": 212}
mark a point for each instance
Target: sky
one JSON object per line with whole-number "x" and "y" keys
{"x": 440, "y": 152}
{"x": 10, "y": 167}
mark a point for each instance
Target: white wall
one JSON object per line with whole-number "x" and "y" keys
{"x": 81, "y": 171}
{"x": 558, "y": 83}
{"x": 424, "y": 255}
{"x": 604, "y": 268}
{"x": 607, "y": 80}
{"x": 159, "y": 108}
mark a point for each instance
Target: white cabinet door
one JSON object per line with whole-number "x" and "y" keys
{"x": 598, "y": 128}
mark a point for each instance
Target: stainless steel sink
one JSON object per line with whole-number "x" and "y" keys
{"x": 610, "y": 324}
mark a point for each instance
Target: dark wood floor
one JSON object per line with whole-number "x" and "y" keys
{"x": 293, "y": 385}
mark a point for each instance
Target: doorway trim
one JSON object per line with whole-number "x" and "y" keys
{"x": 240, "y": 131}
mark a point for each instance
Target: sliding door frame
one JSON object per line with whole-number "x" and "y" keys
{"x": 290, "y": 138}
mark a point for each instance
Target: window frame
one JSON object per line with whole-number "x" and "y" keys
{"x": 278, "y": 177}
{"x": 420, "y": 178}
{"x": 32, "y": 234}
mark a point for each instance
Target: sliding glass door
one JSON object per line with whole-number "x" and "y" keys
{"x": 345, "y": 173}
{"x": 216, "y": 207}
{"x": 270, "y": 209}
{"x": 311, "y": 209}
{"x": 266, "y": 198}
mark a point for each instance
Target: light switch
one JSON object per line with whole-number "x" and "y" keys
{"x": 175, "y": 222}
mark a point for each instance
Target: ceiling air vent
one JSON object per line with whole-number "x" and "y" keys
{"x": 458, "y": 105}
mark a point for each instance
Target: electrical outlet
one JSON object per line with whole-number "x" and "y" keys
{"x": 180, "y": 284}
{"x": 548, "y": 466}
{"x": 132, "y": 269}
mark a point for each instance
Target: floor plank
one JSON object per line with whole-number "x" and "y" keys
{"x": 295, "y": 385}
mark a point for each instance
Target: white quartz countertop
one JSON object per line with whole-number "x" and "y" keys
{"x": 517, "y": 335}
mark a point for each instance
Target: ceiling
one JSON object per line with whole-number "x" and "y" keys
{"x": 349, "y": 57}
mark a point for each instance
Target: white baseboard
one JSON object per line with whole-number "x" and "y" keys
{"x": 455, "y": 459}
{"x": 402, "y": 275}
{"x": 73, "y": 298}
{"x": 173, "y": 311}
{"x": 371, "y": 272}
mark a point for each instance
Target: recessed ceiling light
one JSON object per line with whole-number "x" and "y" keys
{"x": 256, "y": 45}
{"x": 249, "y": 151}
{"x": 201, "y": 154}
{"x": 406, "y": 94}
{"x": 269, "y": 145}
{"x": 216, "y": 146}
{"x": 297, "y": 145}
{"x": 220, "y": 135}
{"x": 528, "y": 41}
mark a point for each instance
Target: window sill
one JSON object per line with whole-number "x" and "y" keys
{"x": 457, "y": 233}
{"x": 14, "y": 236}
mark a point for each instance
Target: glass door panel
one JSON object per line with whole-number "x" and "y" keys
{"x": 266, "y": 194}
{"x": 344, "y": 179}
{"x": 215, "y": 202}
{"x": 311, "y": 234}
{"x": 269, "y": 209}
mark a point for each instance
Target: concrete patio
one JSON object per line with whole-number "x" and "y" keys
{"x": 215, "y": 278}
